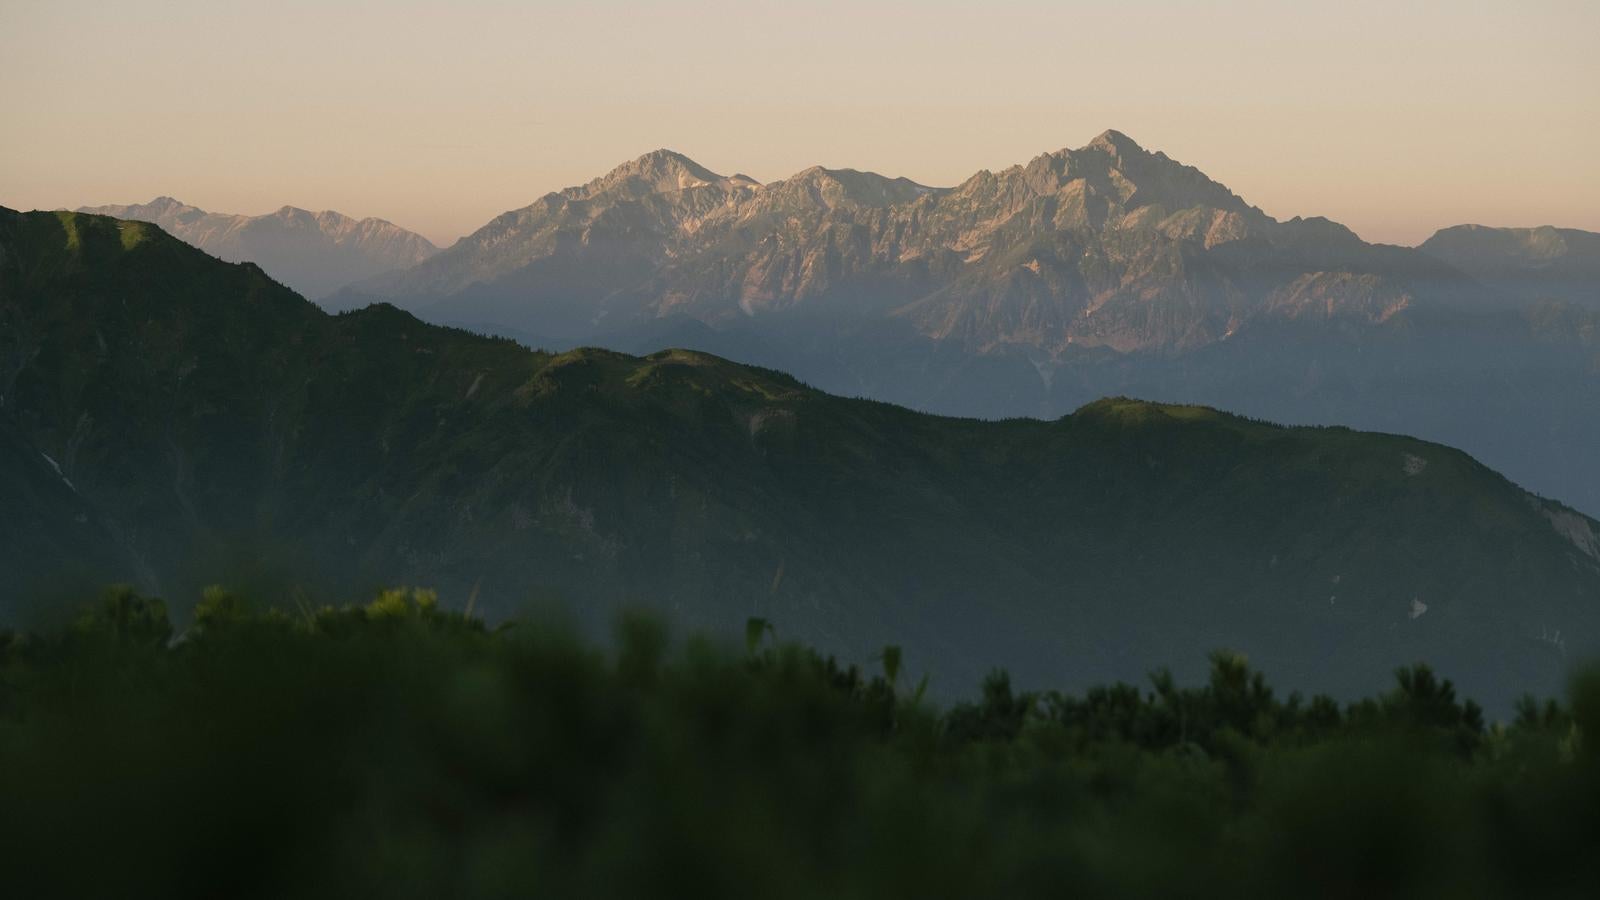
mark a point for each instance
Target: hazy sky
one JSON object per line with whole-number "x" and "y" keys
{"x": 1395, "y": 118}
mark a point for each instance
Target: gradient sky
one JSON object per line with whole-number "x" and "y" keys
{"x": 1395, "y": 118}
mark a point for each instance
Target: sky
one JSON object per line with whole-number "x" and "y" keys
{"x": 1395, "y": 118}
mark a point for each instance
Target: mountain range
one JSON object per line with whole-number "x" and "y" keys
{"x": 173, "y": 420}
{"x": 1105, "y": 246}
{"x": 315, "y": 253}
{"x": 1103, "y": 270}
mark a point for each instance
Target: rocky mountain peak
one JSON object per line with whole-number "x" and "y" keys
{"x": 296, "y": 215}
{"x": 161, "y": 207}
{"x": 1118, "y": 166}
{"x": 1115, "y": 143}
{"x": 836, "y": 187}
{"x": 657, "y": 172}
{"x": 165, "y": 202}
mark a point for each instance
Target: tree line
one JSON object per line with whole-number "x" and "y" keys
{"x": 398, "y": 748}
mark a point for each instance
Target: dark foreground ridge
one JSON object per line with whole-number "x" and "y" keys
{"x": 402, "y": 750}
{"x": 172, "y": 421}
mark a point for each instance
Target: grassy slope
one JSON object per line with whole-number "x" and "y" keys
{"x": 235, "y": 433}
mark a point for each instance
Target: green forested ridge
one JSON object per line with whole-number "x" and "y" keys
{"x": 218, "y": 428}
{"x": 400, "y": 749}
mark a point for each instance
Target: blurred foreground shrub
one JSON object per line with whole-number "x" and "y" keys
{"x": 397, "y": 749}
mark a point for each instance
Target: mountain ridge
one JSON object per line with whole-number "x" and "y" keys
{"x": 1110, "y": 221}
{"x": 315, "y": 252}
{"x": 1542, "y": 263}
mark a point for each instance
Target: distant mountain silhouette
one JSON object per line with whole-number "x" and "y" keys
{"x": 315, "y": 253}
{"x": 1529, "y": 263}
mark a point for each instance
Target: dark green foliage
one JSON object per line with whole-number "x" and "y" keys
{"x": 891, "y": 664}
{"x": 999, "y": 716}
{"x": 219, "y": 608}
{"x": 127, "y": 618}
{"x": 754, "y": 630}
{"x": 399, "y": 749}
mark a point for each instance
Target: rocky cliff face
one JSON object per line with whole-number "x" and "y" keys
{"x": 315, "y": 253}
{"x": 1107, "y": 245}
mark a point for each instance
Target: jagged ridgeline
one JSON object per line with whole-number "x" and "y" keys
{"x": 173, "y": 420}
{"x": 316, "y": 253}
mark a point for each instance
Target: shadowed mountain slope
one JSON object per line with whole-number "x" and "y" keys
{"x": 230, "y": 431}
